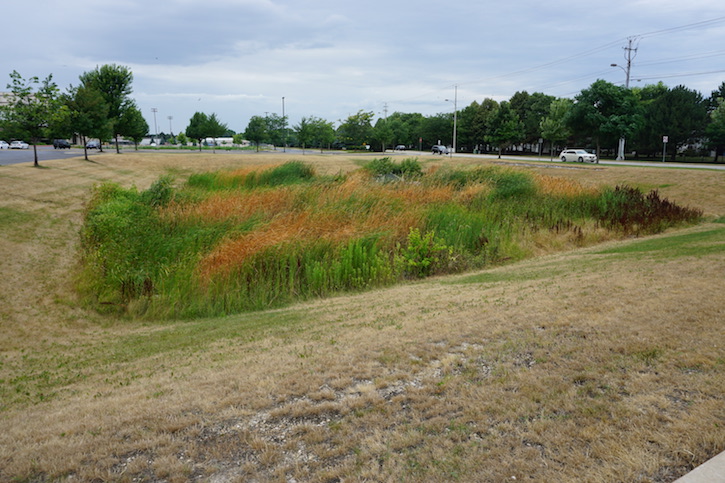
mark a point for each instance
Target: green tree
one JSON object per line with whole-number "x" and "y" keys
{"x": 506, "y": 128}
{"x": 256, "y": 130}
{"x": 357, "y": 129}
{"x": 474, "y": 122}
{"x": 314, "y": 132}
{"x": 715, "y": 130}
{"x": 406, "y": 128}
{"x": 88, "y": 114}
{"x": 114, "y": 83}
{"x": 197, "y": 127}
{"x": 132, "y": 124}
{"x": 214, "y": 128}
{"x": 680, "y": 114}
{"x": 383, "y": 134}
{"x": 182, "y": 139}
{"x": 437, "y": 129}
{"x": 554, "y": 126}
{"x": 605, "y": 113}
{"x": 276, "y": 129}
{"x": 531, "y": 110}
{"x": 648, "y": 138}
{"x": 34, "y": 108}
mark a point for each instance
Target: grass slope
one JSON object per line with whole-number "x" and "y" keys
{"x": 598, "y": 364}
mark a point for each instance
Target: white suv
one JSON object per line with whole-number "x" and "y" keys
{"x": 578, "y": 155}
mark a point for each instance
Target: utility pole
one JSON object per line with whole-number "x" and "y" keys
{"x": 628, "y": 56}
{"x": 284, "y": 120}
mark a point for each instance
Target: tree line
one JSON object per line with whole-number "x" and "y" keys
{"x": 100, "y": 106}
{"x": 596, "y": 119}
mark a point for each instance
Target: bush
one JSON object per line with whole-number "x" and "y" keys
{"x": 408, "y": 168}
{"x": 423, "y": 255}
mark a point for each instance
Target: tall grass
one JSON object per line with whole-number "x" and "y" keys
{"x": 232, "y": 241}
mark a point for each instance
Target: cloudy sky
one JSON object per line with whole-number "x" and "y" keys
{"x": 332, "y": 58}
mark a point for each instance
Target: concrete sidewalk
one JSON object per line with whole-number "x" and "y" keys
{"x": 711, "y": 471}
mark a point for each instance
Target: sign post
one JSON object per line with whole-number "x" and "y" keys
{"x": 664, "y": 146}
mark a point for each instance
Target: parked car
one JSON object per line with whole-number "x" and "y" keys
{"x": 61, "y": 144}
{"x": 18, "y": 145}
{"x": 439, "y": 149}
{"x": 400, "y": 147}
{"x": 4, "y": 145}
{"x": 93, "y": 145}
{"x": 577, "y": 155}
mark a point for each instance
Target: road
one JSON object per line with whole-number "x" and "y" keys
{"x": 47, "y": 153}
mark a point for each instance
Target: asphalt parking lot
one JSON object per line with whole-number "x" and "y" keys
{"x": 45, "y": 153}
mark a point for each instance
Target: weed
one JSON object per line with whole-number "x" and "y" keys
{"x": 240, "y": 240}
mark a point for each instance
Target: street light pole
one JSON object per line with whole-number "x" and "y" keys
{"x": 171, "y": 131}
{"x": 628, "y": 57}
{"x": 284, "y": 120}
{"x": 455, "y": 117}
{"x": 156, "y": 128}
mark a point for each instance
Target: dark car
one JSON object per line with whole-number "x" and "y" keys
{"x": 61, "y": 144}
{"x": 93, "y": 145}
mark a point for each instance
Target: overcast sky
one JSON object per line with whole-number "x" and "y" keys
{"x": 332, "y": 58}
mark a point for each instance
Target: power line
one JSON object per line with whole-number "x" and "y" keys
{"x": 570, "y": 58}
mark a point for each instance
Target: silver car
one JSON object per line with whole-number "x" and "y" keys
{"x": 579, "y": 155}
{"x": 4, "y": 145}
{"x": 18, "y": 145}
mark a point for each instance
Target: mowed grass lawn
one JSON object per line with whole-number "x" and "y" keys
{"x": 603, "y": 363}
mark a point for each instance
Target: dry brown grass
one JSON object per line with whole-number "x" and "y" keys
{"x": 577, "y": 366}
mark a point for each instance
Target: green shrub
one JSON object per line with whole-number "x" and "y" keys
{"x": 423, "y": 255}
{"x": 408, "y": 168}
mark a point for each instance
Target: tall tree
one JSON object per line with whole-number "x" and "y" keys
{"x": 554, "y": 126}
{"x": 88, "y": 114}
{"x": 196, "y": 129}
{"x": 680, "y": 114}
{"x": 215, "y": 128}
{"x": 114, "y": 83}
{"x": 313, "y": 131}
{"x": 276, "y": 129}
{"x": 356, "y": 130}
{"x": 132, "y": 124}
{"x": 715, "y": 130}
{"x": 383, "y": 134}
{"x": 256, "y": 130}
{"x": 474, "y": 122}
{"x": 33, "y": 109}
{"x": 437, "y": 129}
{"x": 506, "y": 128}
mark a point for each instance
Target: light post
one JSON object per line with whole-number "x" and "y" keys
{"x": 171, "y": 131}
{"x": 455, "y": 117}
{"x": 284, "y": 120}
{"x": 156, "y": 128}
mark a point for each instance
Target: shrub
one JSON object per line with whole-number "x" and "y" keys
{"x": 423, "y": 255}
{"x": 408, "y": 168}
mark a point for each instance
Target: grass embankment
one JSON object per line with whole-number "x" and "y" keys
{"x": 603, "y": 363}
{"x": 226, "y": 242}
